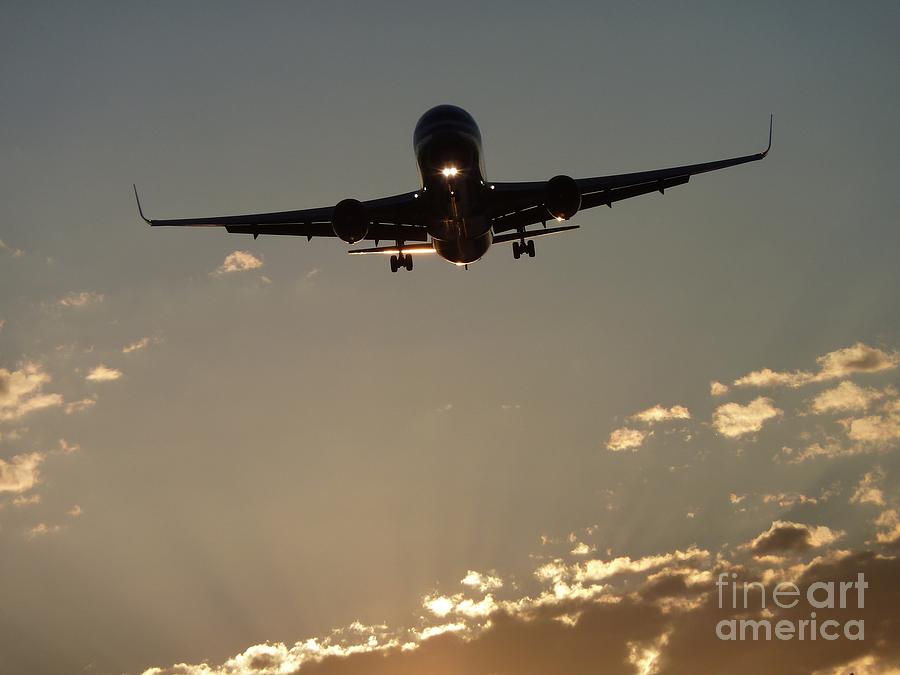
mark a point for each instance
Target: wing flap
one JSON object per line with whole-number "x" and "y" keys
{"x": 378, "y": 231}
{"x": 533, "y": 234}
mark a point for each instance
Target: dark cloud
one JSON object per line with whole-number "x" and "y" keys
{"x": 606, "y": 637}
{"x": 665, "y": 626}
{"x": 598, "y": 642}
{"x": 693, "y": 648}
{"x": 787, "y": 537}
{"x": 781, "y": 539}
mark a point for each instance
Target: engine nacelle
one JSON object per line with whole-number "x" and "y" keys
{"x": 563, "y": 197}
{"x": 350, "y": 220}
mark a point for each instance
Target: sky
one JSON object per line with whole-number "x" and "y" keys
{"x": 221, "y": 455}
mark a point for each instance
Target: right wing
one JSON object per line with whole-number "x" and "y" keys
{"x": 520, "y": 204}
{"x": 398, "y": 217}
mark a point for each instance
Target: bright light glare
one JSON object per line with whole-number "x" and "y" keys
{"x": 450, "y": 171}
{"x": 408, "y": 251}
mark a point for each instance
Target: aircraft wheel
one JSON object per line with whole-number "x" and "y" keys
{"x": 409, "y": 262}
{"x": 530, "y": 248}
{"x": 516, "y": 250}
{"x": 394, "y": 264}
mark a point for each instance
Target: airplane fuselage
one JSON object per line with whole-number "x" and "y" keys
{"x": 449, "y": 156}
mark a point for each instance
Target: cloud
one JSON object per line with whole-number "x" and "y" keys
{"x": 439, "y": 605}
{"x": 136, "y": 346}
{"x": 103, "y": 374}
{"x": 888, "y": 523}
{"x": 829, "y": 449}
{"x": 873, "y": 429}
{"x": 867, "y": 490}
{"x": 664, "y": 624}
{"x": 734, "y": 419}
{"x": 67, "y": 448}
{"x": 717, "y": 388}
{"x": 239, "y": 261}
{"x": 582, "y": 549}
{"x": 42, "y": 529}
{"x": 787, "y": 537}
{"x": 859, "y": 358}
{"x": 14, "y": 252}
{"x": 847, "y": 396}
{"x": 26, "y": 500}
{"x": 771, "y": 378}
{"x": 483, "y": 582}
{"x": 20, "y": 473}
{"x": 80, "y": 299}
{"x": 659, "y": 413}
{"x": 625, "y": 439}
{"x": 442, "y": 606}
{"x": 79, "y": 406}
{"x": 20, "y": 392}
{"x": 788, "y": 499}
{"x": 863, "y": 665}
{"x": 599, "y": 570}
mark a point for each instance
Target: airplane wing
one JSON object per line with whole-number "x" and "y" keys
{"x": 392, "y": 218}
{"x": 518, "y": 205}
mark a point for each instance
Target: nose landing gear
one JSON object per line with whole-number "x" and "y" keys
{"x": 403, "y": 260}
{"x": 523, "y": 247}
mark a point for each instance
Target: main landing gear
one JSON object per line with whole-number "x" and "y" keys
{"x": 403, "y": 260}
{"x": 523, "y": 247}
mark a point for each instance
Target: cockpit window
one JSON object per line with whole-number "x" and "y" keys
{"x": 444, "y": 116}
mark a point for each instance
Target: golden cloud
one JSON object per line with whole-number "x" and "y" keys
{"x": 20, "y": 392}
{"x": 734, "y": 419}
{"x": 239, "y": 261}
{"x": 625, "y": 439}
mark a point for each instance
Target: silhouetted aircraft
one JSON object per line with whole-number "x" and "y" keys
{"x": 458, "y": 213}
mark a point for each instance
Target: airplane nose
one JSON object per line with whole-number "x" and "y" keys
{"x": 449, "y": 148}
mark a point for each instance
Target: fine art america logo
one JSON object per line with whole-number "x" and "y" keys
{"x": 745, "y": 597}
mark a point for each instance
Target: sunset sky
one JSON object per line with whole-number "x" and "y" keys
{"x": 268, "y": 456}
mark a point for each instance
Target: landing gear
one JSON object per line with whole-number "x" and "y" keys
{"x": 404, "y": 260}
{"x": 523, "y": 247}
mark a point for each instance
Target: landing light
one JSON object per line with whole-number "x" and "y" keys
{"x": 450, "y": 171}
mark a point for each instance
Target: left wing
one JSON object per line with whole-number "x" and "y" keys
{"x": 520, "y": 204}
{"x": 398, "y": 217}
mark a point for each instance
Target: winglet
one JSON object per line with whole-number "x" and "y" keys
{"x": 140, "y": 210}
{"x": 769, "y": 146}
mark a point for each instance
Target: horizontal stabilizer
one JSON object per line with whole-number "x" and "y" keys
{"x": 414, "y": 249}
{"x": 532, "y": 234}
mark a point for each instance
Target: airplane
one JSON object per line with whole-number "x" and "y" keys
{"x": 457, "y": 213}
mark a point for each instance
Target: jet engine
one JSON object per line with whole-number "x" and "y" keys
{"x": 563, "y": 197}
{"x": 349, "y": 220}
